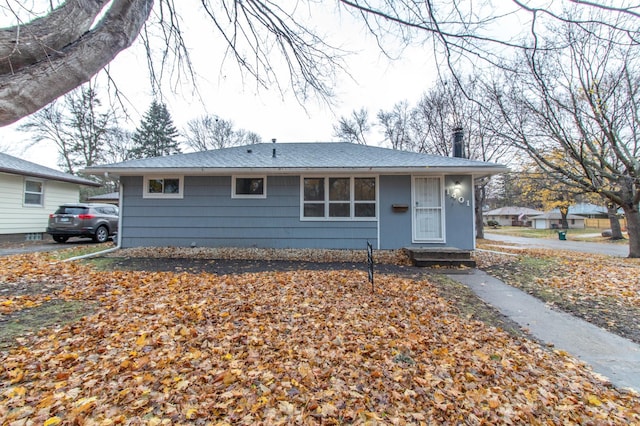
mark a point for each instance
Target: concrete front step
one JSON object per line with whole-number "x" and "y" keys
{"x": 444, "y": 263}
{"x": 440, "y": 256}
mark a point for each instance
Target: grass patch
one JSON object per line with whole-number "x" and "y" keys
{"x": 524, "y": 274}
{"x": 53, "y": 313}
{"x": 100, "y": 263}
{"x": 80, "y": 251}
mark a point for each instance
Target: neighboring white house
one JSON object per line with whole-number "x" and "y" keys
{"x": 587, "y": 210}
{"x": 29, "y": 193}
{"x": 553, "y": 220}
{"x": 511, "y": 216}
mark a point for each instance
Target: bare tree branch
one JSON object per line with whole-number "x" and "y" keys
{"x": 61, "y": 71}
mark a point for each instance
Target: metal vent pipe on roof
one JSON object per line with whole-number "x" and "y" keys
{"x": 274, "y": 153}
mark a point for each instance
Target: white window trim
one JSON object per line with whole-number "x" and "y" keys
{"x": 147, "y": 194}
{"x": 443, "y": 213}
{"x": 264, "y": 186}
{"x": 352, "y": 201}
{"x": 25, "y": 192}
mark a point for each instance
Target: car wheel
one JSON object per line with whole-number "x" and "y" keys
{"x": 60, "y": 239}
{"x": 101, "y": 235}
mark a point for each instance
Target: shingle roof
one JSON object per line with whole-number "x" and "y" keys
{"x": 512, "y": 210}
{"x": 18, "y": 166}
{"x": 299, "y": 156}
{"x": 110, "y": 196}
{"x": 585, "y": 209}
{"x": 555, "y": 215}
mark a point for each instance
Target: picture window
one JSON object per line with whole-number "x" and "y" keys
{"x": 338, "y": 198}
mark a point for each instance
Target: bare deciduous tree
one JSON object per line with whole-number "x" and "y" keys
{"x": 581, "y": 101}
{"x": 211, "y": 132}
{"x": 395, "y": 126}
{"x": 60, "y": 47}
{"x": 355, "y": 128}
{"x": 79, "y": 126}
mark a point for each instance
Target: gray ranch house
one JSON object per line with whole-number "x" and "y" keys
{"x": 298, "y": 195}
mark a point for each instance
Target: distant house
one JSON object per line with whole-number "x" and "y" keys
{"x": 553, "y": 220}
{"x": 587, "y": 210}
{"x": 109, "y": 198}
{"x": 29, "y": 193}
{"x": 298, "y": 195}
{"x": 511, "y": 216}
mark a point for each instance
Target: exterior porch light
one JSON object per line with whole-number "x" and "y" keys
{"x": 455, "y": 189}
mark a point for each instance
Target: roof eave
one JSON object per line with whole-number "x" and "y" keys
{"x": 113, "y": 171}
{"x": 78, "y": 181}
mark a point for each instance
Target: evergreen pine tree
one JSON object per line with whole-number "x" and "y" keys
{"x": 156, "y": 136}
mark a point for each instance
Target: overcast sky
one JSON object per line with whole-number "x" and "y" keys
{"x": 377, "y": 83}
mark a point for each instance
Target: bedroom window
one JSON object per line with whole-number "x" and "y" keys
{"x": 163, "y": 187}
{"x": 33, "y": 192}
{"x": 249, "y": 187}
{"x": 338, "y": 198}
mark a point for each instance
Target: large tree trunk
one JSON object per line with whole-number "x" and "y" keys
{"x": 633, "y": 228}
{"x": 564, "y": 223}
{"x": 616, "y": 230}
{"x": 27, "y": 44}
{"x": 53, "y": 73}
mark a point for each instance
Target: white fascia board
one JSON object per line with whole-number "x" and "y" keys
{"x": 194, "y": 171}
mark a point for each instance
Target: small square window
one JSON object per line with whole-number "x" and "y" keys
{"x": 249, "y": 187}
{"x": 163, "y": 187}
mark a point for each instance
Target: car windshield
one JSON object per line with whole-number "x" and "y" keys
{"x": 71, "y": 210}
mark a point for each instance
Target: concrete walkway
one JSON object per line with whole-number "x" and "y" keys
{"x": 614, "y": 357}
{"x": 611, "y": 249}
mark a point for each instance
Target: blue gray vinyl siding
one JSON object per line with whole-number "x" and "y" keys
{"x": 395, "y": 229}
{"x": 396, "y": 224}
{"x": 459, "y": 220}
{"x": 207, "y": 216}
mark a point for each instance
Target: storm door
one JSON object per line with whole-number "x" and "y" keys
{"x": 428, "y": 211}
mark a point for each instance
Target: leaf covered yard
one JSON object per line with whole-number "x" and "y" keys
{"x": 603, "y": 290}
{"x": 298, "y": 347}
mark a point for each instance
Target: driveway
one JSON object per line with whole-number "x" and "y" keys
{"x": 611, "y": 249}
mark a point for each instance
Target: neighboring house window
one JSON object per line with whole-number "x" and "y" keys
{"x": 339, "y": 198}
{"x": 163, "y": 187}
{"x": 249, "y": 187}
{"x": 33, "y": 192}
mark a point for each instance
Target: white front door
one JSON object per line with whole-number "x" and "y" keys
{"x": 428, "y": 212}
